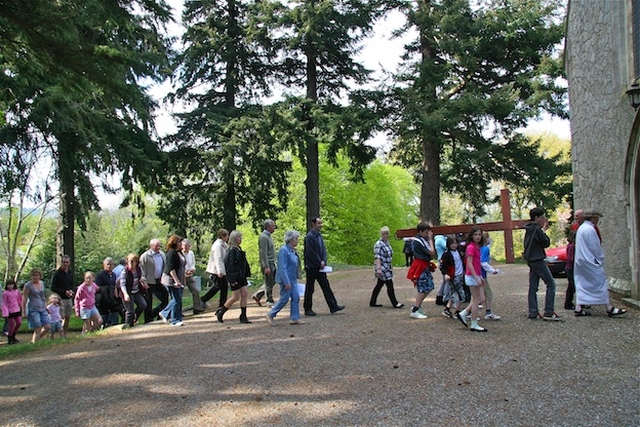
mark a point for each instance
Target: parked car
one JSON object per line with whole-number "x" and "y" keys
{"x": 556, "y": 258}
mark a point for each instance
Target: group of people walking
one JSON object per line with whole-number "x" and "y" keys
{"x": 228, "y": 265}
{"x": 465, "y": 265}
{"x": 463, "y": 273}
{"x": 127, "y": 290}
{"x": 584, "y": 266}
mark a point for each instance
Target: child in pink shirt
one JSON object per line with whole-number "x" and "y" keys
{"x": 473, "y": 279}
{"x": 12, "y": 309}
{"x": 85, "y": 304}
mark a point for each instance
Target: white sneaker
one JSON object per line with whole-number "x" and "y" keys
{"x": 417, "y": 315}
{"x": 461, "y": 318}
{"x": 181, "y": 323}
{"x": 492, "y": 316}
{"x": 270, "y": 319}
{"x": 296, "y": 322}
{"x": 164, "y": 319}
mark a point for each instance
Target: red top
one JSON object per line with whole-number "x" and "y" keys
{"x": 417, "y": 268}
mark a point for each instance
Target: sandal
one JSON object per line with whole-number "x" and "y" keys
{"x": 616, "y": 312}
{"x": 581, "y": 313}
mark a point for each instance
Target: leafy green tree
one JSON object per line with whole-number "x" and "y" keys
{"x": 547, "y": 182}
{"x": 26, "y": 193}
{"x": 226, "y": 156}
{"x": 354, "y": 212}
{"x": 473, "y": 75}
{"x": 113, "y": 233}
{"x": 72, "y": 74}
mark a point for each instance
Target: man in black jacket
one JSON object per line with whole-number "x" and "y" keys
{"x": 535, "y": 241}
{"x": 62, "y": 284}
{"x": 315, "y": 259}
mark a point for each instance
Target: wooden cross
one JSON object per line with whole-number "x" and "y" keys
{"x": 507, "y": 225}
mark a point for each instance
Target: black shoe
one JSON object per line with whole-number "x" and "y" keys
{"x": 220, "y": 314}
{"x": 371, "y": 304}
{"x": 198, "y": 311}
{"x": 310, "y": 313}
{"x": 337, "y": 308}
{"x": 570, "y": 307}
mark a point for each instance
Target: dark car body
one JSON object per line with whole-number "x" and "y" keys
{"x": 556, "y": 258}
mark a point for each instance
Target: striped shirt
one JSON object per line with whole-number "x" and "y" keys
{"x": 382, "y": 250}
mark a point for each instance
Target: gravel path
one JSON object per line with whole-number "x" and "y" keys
{"x": 360, "y": 367}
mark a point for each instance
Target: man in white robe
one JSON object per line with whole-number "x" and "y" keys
{"x": 588, "y": 270}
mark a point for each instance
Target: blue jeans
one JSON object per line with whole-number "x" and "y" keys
{"x": 285, "y": 295}
{"x": 110, "y": 319}
{"x": 539, "y": 270}
{"x": 173, "y": 310}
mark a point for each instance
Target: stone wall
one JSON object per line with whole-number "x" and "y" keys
{"x": 597, "y": 64}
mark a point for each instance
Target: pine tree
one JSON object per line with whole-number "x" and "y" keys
{"x": 318, "y": 42}
{"x": 72, "y": 83}
{"x": 226, "y": 157}
{"x": 475, "y": 73}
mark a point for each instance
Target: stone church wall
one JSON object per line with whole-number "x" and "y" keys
{"x": 598, "y": 70}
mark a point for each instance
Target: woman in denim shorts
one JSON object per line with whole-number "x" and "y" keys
{"x": 33, "y": 299}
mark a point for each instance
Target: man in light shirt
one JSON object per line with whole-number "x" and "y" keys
{"x": 152, "y": 263}
{"x": 217, "y": 270}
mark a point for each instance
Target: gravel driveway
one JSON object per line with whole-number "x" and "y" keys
{"x": 359, "y": 367}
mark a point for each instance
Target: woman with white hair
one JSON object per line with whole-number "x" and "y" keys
{"x": 237, "y": 269}
{"x": 383, "y": 258}
{"x": 287, "y": 277}
{"x": 588, "y": 268}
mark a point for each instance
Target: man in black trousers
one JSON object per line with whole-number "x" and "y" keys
{"x": 315, "y": 259}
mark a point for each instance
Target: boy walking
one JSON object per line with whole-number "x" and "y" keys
{"x": 535, "y": 241}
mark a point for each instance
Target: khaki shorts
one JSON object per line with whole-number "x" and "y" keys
{"x": 66, "y": 308}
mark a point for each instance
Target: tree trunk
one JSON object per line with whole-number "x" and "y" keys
{"x": 230, "y": 209}
{"x": 430, "y": 190}
{"x": 312, "y": 182}
{"x": 66, "y": 219}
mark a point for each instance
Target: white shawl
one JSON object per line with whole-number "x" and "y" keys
{"x": 588, "y": 270}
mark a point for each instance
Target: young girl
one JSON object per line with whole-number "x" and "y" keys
{"x": 452, "y": 268}
{"x": 12, "y": 309}
{"x": 85, "y": 304}
{"x": 54, "y": 314}
{"x": 473, "y": 278}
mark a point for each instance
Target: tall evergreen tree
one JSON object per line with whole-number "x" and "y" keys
{"x": 475, "y": 73}
{"x": 318, "y": 42}
{"x": 72, "y": 73}
{"x": 225, "y": 156}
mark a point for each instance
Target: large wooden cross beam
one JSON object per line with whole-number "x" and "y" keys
{"x": 507, "y": 225}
